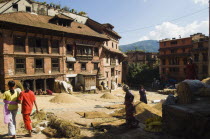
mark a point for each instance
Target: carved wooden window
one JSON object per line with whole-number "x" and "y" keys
{"x": 96, "y": 51}
{"x": 83, "y": 66}
{"x": 112, "y": 71}
{"x": 39, "y": 65}
{"x": 84, "y": 51}
{"x": 55, "y": 64}
{"x": 69, "y": 49}
{"x": 19, "y": 44}
{"x": 55, "y": 46}
{"x": 95, "y": 66}
{"x": 70, "y": 66}
{"x": 38, "y": 45}
{"x": 20, "y": 65}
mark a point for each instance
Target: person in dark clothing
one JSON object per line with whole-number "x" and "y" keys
{"x": 131, "y": 121}
{"x": 191, "y": 68}
{"x": 142, "y": 93}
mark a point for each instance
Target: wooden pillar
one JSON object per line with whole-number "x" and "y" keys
{"x": 34, "y": 85}
{"x": 45, "y": 84}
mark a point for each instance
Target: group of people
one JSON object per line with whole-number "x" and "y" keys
{"x": 11, "y": 100}
{"x": 131, "y": 121}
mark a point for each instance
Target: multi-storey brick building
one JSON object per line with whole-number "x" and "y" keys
{"x": 173, "y": 55}
{"x": 56, "y": 45}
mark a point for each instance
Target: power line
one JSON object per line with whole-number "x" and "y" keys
{"x": 187, "y": 15}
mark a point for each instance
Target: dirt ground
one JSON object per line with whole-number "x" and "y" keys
{"x": 90, "y": 102}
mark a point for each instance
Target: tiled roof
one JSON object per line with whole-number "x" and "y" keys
{"x": 114, "y": 51}
{"x": 41, "y": 21}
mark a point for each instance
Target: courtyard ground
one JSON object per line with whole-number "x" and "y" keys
{"x": 89, "y": 102}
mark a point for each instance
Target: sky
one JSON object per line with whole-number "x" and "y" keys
{"x": 137, "y": 20}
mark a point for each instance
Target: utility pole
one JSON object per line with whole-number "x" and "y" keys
{"x": 209, "y": 44}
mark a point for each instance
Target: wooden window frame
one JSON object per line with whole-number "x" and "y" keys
{"x": 20, "y": 70}
{"x": 53, "y": 63}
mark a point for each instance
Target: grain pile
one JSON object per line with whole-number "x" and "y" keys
{"x": 158, "y": 106}
{"x": 95, "y": 114}
{"x": 65, "y": 98}
{"x": 143, "y": 112}
{"x": 108, "y": 96}
{"x": 116, "y": 106}
{"x": 206, "y": 81}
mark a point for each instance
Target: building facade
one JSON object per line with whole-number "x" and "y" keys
{"x": 173, "y": 55}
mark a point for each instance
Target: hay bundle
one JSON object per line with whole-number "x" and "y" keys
{"x": 64, "y": 128}
{"x": 108, "y": 96}
{"x": 206, "y": 81}
{"x": 19, "y": 85}
{"x": 95, "y": 114}
{"x": 39, "y": 116}
{"x": 50, "y": 132}
{"x": 65, "y": 98}
{"x": 184, "y": 93}
{"x": 167, "y": 91}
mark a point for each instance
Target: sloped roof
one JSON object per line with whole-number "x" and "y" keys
{"x": 114, "y": 51}
{"x": 41, "y": 21}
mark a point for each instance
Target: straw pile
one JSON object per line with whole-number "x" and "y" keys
{"x": 65, "y": 98}
{"x": 108, "y": 96}
{"x": 39, "y": 116}
{"x": 143, "y": 112}
{"x": 206, "y": 81}
{"x": 64, "y": 128}
{"x": 158, "y": 106}
{"x": 167, "y": 91}
{"x": 184, "y": 93}
{"x": 95, "y": 114}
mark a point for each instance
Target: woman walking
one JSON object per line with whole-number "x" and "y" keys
{"x": 131, "y": 121}
{"x": 142, "y": 92}
{"x": 10, "y": 108}
{"x": 27, "y": 100}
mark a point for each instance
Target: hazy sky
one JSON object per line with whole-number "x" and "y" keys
{"x": 138, "y": 20}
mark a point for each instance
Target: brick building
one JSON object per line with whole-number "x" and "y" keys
{"x": 41, "y": 47}
{"x": 173, "y": 55}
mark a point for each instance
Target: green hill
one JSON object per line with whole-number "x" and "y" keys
{"x": 147, "y": 46}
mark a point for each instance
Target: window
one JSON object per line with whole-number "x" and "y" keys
{"x": 39, "y": 65}
{"x": 205, "y": 57}
{"x": 116, "y": 46}
{"x": 200, "y": 44}
{"x": 19, "y": 44}
{"x": 174, "y": 69}
{"x": 112, "y": 45}
{"x": 116, "y": 72}
{"x": 164, "y": 44}
{"x": 183, "y": 50}
{"x": 95, "y": 66}
{"x": 196, "y": 57}
{"x": 183, "y": 41}
{"x": 55, "y": 64}
{"x": 185, "y": 61}
{"x": 20, "y": 65}
{"x": 112, "y": 71}
{"x": 163, "y": 62}
{"x": 70, "y": 66}
{"x": 38, "y": 45}
{"x": 107, "y": 74}
{"x": 173, "y": 42}
{"x": 84, "y": 51}
{"x": 15, "y": 7}
{"x": 96, "y": 51}
{"x": 55, "y": 46}
{"x": 69, "y": 49}
{"x": 174, "y": 61}
{"x": 83, "y": 66}
{"x": 173, "y": 51}
{"x": 28, "y": 9}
